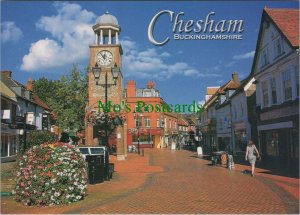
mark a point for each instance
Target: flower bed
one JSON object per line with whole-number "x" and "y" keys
{"x": 51, "y": 174}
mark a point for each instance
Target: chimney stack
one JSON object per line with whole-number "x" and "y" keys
{"x": 150, "y": 85}
{"x": 7, "y": 73}
{"x": 131, "y": 88}
{"x": 235, "y": 77}
{"x": 29, "y": 84}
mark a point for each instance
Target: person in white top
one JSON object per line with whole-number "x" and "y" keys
{"x": 250, "y": 156}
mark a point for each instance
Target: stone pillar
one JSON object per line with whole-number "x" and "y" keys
{"x": 109, "y": 36}
{"x": 117, "y": 37}
{"x": 97, "y": 38}
{"x": 101, "y": 37}
{"x": 121, "y": 144}
{"x": 125, "y": 128}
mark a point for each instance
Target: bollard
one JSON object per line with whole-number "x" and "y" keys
{"x": 143, "y": 151}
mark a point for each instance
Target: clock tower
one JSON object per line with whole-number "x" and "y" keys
{"x": 105, "y": 55}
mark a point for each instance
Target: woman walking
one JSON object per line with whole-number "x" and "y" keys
{"x": 250, "y": 155}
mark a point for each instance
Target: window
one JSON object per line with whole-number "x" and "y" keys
{"x": 138, "y": 122}
{"x": 264, "y": 57}
{"x": 278, "y": 47}
{"x": 229, "y": 93}
{"x": 8, "y": 145}
{"x": 13, "y": 145}
{"x": 265, "y": 93}
{"x": 157, "y": 123}
{"x": 222, "y": 99}
{"x": 4, "y": 146}
{"x": 164, "y": 125}
{"x": 272, "y": 143}
{"x": 147, "y": 122}
{"x": 221, "y": 124}
{"x": 287, "y": 85}
{"x": 234, "y": 112}
{"x": 273, "y": 89}
{"x": 242, "y": 109}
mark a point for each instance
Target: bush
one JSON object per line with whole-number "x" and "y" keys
{"x": 35, "y": 138}
{"x": 51, "y": 174}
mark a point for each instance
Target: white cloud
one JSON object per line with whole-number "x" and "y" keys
{"x": 149, "y": 63}
{"x": 229, "y": 64}
{"x": 10, "y": 32}
{"x": 202, "y": 102}
{"x": 244, "y": 56}
{"x": 72, "y": 33}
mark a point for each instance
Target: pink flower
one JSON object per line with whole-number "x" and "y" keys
{"x": 29, "y": 183}
{"x": 22, "y": 184}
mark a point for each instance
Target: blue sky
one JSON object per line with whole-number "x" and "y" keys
{"x": 47, "y": 38}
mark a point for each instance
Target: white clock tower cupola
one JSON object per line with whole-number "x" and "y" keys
{"x": 107, "y": 30}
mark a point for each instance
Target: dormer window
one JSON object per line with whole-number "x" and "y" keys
{"x": 22, "y": 91}
{"x": 222, "y": 99}
{"x": 229, "y": 93}
{"x": 31, "y": 96}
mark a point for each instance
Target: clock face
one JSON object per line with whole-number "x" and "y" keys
{"x": 104, "y": 58}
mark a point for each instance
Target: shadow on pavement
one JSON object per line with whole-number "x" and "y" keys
{"x": 271, "y": 167}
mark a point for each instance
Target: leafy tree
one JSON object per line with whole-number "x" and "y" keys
{"x": 67, "y": 97}
{"x": 44, "y": 88}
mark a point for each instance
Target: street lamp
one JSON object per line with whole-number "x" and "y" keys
{"x": 231, "y": 127}
{"x": 115, "y": 73}
{"x": 163, "y": 127}
{"x": 138, "y": 128}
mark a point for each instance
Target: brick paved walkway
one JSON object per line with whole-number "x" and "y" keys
{"x": 178, "y": 182}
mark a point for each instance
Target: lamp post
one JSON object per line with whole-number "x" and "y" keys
{"x": 231, "y": 128}
{"x": 115, "y": 73}
{"x": 24, "y": 132}
{"x": 163, "y": 127}
{"x": 138, "y": 129}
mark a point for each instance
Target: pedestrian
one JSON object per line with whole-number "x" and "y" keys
{"x": 250, "y": 156}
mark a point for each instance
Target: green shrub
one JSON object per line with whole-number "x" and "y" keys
{"x": 35, "y": 138}
{"x": 51, "y": 174}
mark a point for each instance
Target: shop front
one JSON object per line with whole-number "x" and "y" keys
{"x": 223, "y": 142}
{"x": 240, "y": 137}
{"x": 146, "y": 137}
{"x": 9, "y": 143}
{"x": 280, "y": 144}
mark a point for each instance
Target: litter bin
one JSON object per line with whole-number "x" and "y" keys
{"x": 199, "y": 151}
{"x": 96, "y": 170}
{"x": 106, "y": 164}
{"x": 173, "y": 146}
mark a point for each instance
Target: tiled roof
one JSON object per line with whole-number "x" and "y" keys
{"x": 233, "y": 85}
{"x": 287, "y": 20}
{"x": 211, "y": 90}
{"x": 182, "y": 122}
{"x": 40, "y": 102}
{"x": 228, "y": 85}
{"x": 10, "y": 82}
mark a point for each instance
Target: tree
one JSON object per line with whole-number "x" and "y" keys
{"x": 67, "y": 97}
{"x": 44, "y": 88}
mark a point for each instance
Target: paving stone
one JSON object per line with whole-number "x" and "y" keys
{"x": 165, "y": 181}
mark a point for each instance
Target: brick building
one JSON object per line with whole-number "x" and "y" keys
{"x": 146, "y": 125}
